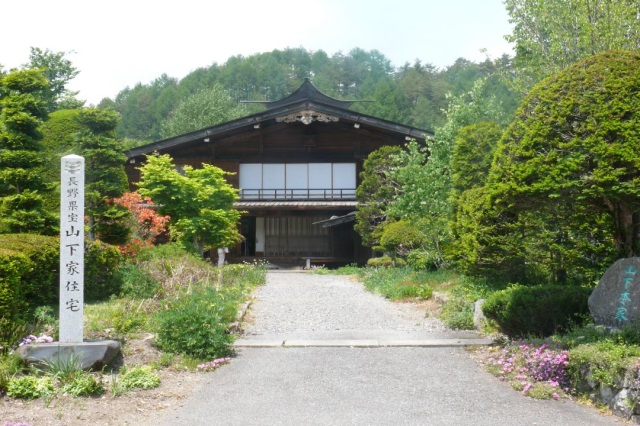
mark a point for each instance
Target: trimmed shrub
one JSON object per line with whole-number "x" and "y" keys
{"x": 540, "y": 310}
{"x": 401, "y": 237}
{"x": 101, "y": 274}
{"x": 12, "y": 266}
{"x": 39, "y": 272}
{"x": 385, "y": 262}
{"x": 30, "y": 267}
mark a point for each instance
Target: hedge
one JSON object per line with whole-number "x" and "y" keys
{"x": 29, "y": 272}
{"x": 539, "y": 310}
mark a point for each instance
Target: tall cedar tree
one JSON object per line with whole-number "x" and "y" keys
{"x": 105, "y": 176}
{"x": 375, "y": 192}
{"x": 22, "y": 110}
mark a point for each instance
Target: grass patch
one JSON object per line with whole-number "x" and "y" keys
{"x": 352, "y": 269}
{"x": 139, "y": 377}
{"x": 404, "y": 283}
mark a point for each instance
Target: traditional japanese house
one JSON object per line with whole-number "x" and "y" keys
{"x": 296, "y": 165}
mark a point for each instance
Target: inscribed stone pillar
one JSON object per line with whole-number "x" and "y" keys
{"x": 71, "y": 249}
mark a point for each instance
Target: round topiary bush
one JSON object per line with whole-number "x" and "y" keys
{"x": 569, "y": 160}
{"x": 540, "y": 310}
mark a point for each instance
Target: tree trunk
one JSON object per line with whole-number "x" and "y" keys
{"x": 199, "y": 246}
{"x": 627, "y": 226}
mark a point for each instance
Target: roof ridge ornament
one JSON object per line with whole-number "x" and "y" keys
{"x": 306, "y": 93}
{"x": 307, "y": 117}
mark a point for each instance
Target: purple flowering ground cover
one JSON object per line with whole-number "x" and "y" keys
{"x": 536, "y": 370}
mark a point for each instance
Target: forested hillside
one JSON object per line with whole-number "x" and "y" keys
{"x": 414, "y": 94}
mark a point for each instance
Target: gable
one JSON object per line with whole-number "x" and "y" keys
{"x": 305, "y": 122}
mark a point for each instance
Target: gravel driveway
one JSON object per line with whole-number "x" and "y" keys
{"x": 310, "y": 306}
{"x": 354, "y": 385}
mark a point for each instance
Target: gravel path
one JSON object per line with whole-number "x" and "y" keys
{"x": 302, "y": 305}
{"x": 353, "y": 385}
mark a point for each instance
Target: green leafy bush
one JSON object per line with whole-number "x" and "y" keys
{"x": 399, "y": 283}
{"x": 9, "y": 366}
{"x": 102, "y": 277}
{"x": 423, "y": 259}
{"x": 196, "y": 325}
{"x": 29, "y": 272}
{"x": 458, "y": 314}
{"x": 39, "y": 278}
{"x": 540, "y": 310}
{"x": 82, "y": 383}
{"x": 12, "y": 266}
{"x": 11, "y": 333}
{"x": 137, "y": 283}
{"x": 129, "y": 320}
{"x": 140, "y": 377}
{"x": 604, "y": 362}
{"x": 29, "y": 387}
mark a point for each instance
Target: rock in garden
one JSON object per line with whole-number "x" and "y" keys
{"x": 615, "y": 302}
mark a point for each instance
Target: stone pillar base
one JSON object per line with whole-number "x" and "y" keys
{"x": 91, "y": 355}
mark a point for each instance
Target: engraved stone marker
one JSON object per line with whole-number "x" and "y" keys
{"x": 71, "y": 249}
{"x": 615, "y": 302}
{"x": 91, "y": 354}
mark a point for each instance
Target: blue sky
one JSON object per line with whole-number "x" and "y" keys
{"x": 119, "y": 43}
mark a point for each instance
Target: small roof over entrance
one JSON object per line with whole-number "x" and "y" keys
{"x": 337, "y": 220}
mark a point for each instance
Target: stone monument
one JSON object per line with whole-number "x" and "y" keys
{"x": 90, "y": 354}
{"x": 72, "y": 249}
{"x": 615, "y": 302}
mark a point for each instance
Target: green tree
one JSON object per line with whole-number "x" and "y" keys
{"x": 59, "y": 71}
{"x": 387, "y": 101}
{"x": 472, "y": 155}
{"x": 203, "y": 109}
{"x": 375, "y": 192}
{"x": 105, "y": 178}
{"x": 570, "y": 159}
{"x": 145, "y": 107}
{"x": 59, "y": 133}
{"x": 22, "y": 185}
{"x": 199, "y": 202}
{"x": 425, "y": 178}
{"x": 470, "y": 164}
{"x": 551, "y": 35}
{"x": 426, "y": 92}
